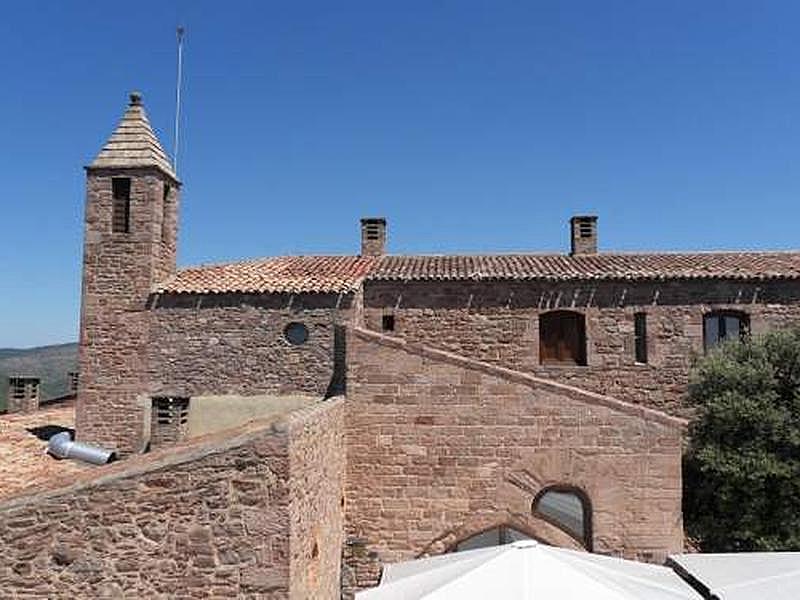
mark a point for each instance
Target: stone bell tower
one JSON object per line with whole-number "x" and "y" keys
{"x": 132, "y": 196}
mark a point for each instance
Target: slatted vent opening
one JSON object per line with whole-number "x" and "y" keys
{"x": 73, "y": 382}
{"x": 23, "y": 387}
{"x": 373, "y": 231}
{"x": 585, "y": 229}
{"x": 121, "y": 205}
{"x": 171, "y": 411}
{"x": 169, "y": 420}
{"x": 17, "y": 389}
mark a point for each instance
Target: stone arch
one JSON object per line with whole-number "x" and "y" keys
{"x": 558, "y": 470}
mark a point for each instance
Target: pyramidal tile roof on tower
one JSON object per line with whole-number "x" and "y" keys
{"x": 134, "y": 144}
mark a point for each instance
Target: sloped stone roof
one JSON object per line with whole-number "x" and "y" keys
{"x": 283, "y": 274}
{"x": 133, "y": 143}
{"x": 334, "y": 274}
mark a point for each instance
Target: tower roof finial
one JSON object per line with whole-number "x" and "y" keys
{"x": 136, "y": 98}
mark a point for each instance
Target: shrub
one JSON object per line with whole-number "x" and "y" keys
{"x": 742, "y": 465}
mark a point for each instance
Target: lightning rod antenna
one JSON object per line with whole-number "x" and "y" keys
{"x": 180, "y": 32}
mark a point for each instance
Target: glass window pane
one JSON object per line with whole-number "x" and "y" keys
{"x": 564, "y": 509}
{"x": 486, "y": 539}
{"x": 296, "y": 333}
{"x": 491, "y": 537}
{"x": 732, "y": 327}
{"x": 512, "y": 535}
{"x": 711, "y": 325}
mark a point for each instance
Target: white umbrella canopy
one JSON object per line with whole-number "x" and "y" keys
{"x": 530, "y": 571}
{"x": 745, "y": 575}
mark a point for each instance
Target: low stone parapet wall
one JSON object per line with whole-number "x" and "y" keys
{"x": 216, "y": 517}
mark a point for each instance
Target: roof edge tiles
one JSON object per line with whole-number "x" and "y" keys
{"x": 134, "y": 144}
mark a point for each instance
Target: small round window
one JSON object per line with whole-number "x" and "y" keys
{"x": 296, "y": 333}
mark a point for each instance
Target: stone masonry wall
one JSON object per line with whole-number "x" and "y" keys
{"x": 441, "y": 447}
{"x": 316, "y": 513}
{"x": 497, "y": 322}
{"x": 218, "y": 517}
{"x": 119, "y": 270}
{"x": 235, "y": 344}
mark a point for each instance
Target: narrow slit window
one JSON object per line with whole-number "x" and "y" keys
{"x": 387, "y": 322}
{"x": 121, "y": 205}
{"x": 165, "y": 213}
{"x": 640, "y": 337}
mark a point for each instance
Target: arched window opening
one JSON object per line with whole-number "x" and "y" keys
{"x": 562, "y": 338}
{"x": 568, "y": 509}
{"x": 723, "y": 325}
{"x": 497, "y": 536}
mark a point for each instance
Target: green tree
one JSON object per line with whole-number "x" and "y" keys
{"x": 742, "y": 465}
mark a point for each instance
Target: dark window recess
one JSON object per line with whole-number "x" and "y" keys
{"x": 640, "y": 336}
{"x": 296, "y": 334}
{"x": 121, "y": 205}
{"x": 562, "y": 338}
{"x": 568, "y": 509}
{"x": 165, "y": 213}
{"x": 387, "y": 322}
{"x": 723, "y": 325}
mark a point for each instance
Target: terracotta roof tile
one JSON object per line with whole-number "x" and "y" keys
{"x": 711, "y": 265}
{"x": 334, "y": 274}
{"x": 285, "y": 274}
{"x": 22, "y": 454}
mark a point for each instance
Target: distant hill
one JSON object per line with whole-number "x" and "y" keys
{"x": 50, "y": 363}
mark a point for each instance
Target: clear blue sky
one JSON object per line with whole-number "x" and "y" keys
{"x": 472, "y": 126}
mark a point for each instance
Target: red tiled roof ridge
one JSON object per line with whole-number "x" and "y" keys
{"x": 261, "y": 259}
{"x": 536, "y": 253}
{"x": 546, "y": 254}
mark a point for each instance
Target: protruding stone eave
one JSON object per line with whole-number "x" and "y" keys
{"x": 92, "y": 168}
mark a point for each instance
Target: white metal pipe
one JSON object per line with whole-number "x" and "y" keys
{"x": 61, "y": 446}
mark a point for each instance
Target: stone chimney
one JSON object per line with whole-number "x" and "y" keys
{"x": 73, "y": 382}
{"x": 23, "y": 394}
{"x": 583, "y": 229}
{"x": 373, "y": 236}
